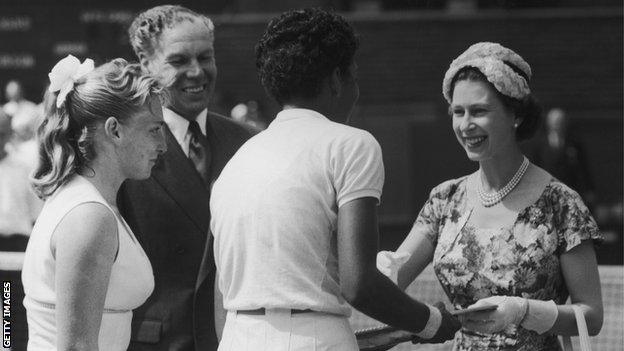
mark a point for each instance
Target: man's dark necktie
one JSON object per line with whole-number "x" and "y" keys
{"x": 199, "y": 152}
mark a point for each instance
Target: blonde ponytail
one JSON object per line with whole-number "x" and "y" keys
{"x": 65, "y": 135}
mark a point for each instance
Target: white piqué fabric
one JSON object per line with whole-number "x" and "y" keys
{"x": 274, "y": 212}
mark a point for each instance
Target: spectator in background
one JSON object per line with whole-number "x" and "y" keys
{"x": 14, "y": 94}
{"x": 249, "y": 114}
{"x": 19, "y": 206}
{"x": 563, "y": 156}
{"x": 24, "y": 144}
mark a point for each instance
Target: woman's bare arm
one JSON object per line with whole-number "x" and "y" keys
{"x": 84, "y": 244}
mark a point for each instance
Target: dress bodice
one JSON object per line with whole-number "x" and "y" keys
{"x": 131, "y": 279}
{"x": 521, "y": 259}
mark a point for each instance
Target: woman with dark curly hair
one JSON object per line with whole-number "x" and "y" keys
{"x": 84, "y": 270}
{"x": 294, "y": 212}
{"x": 508, "y": 234}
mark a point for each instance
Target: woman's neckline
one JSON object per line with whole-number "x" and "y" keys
{"x": 471, "y": 205}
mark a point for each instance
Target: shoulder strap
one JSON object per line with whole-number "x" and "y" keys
{"x": 581, "y": 325}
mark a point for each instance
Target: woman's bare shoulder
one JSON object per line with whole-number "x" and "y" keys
{"x": 88, "y": 226}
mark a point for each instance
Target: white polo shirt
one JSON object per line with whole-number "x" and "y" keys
{"x": 274, "y": 212}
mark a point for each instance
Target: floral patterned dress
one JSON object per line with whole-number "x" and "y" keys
{"x": 519, "y": 260}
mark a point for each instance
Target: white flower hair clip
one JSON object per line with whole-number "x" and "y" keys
{"x": 65, "y": 73}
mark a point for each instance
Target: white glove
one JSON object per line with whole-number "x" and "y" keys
{"x": 511, "y": 310}
{"x": 541, "y": 316}
{"x": 389, "y": 263}
{"x": 536, "y": 315}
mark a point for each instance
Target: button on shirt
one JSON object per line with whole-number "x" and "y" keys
{"x": 275, "y": 208}
{"x": 179, "y": 127}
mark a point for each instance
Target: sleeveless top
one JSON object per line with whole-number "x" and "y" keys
{"x": 131, "y": 279}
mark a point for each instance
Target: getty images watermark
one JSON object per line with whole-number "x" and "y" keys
{"x": 6, "y": 314}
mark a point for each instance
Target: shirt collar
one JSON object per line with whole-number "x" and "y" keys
{"x": 179, "y": 125}
{"x": 295, "y": 113}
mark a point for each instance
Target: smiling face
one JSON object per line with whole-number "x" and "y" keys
{"x": 184, "y": 61}
{"x": 484, "y": 127}
{"x": 144, "y": 140}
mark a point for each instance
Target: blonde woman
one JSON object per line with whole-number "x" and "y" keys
{"x": 84, "y": 270}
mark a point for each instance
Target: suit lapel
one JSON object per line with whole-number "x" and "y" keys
{"x": 176, "y": 174}
{"x": 217, "y": 162}
{"x": 217, "y": 148}
{"x": 222, "y": 149}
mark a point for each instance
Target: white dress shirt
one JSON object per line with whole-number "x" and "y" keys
{"x": 179, "y": 127}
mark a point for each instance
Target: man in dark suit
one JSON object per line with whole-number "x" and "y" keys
{"x": 169, "y": 212}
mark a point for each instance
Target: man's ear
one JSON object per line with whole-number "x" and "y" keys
{"x": 112, "y": 128}
{"x": 335, "y": 82}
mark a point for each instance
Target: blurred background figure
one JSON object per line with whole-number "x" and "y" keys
{"x": 24, "y": 144}
{"x": 249, "y": 114}
{"x": 23, "y": 115}
{"x": 563, "y": 155}
{"x": 14, "y": 94}
{"x": 19, "y": 207}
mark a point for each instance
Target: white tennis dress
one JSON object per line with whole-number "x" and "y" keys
{"x": 131, "y": 280}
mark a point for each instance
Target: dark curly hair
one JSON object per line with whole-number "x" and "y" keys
{"x": 299, "y": 49}
{"x": 147, "y": 27}
{"x": 528, "y": 110}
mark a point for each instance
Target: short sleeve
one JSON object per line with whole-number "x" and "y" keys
{"x": 575, "y": 222}
{"x": 432, "y": 215}
{"x": 428, "y": 221}
{"x": 357, "y": 168}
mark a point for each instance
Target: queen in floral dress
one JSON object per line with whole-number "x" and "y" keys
{"x": 508, "y": 234}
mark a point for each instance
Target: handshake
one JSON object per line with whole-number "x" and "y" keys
{"x": 488, "y": 315}
{"x": 495, "y": 314}
{"x": 441, "y": 327}
{"x": 492, "y": 315}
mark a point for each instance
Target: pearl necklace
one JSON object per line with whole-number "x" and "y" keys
{"x": 491, "y": 199}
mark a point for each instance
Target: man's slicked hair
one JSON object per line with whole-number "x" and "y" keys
{"x": 145, "y": 30}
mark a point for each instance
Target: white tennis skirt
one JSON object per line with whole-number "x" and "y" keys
{"x": 279, "y": 330}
